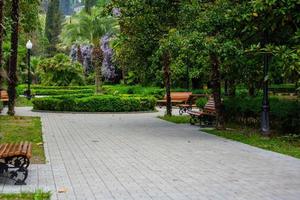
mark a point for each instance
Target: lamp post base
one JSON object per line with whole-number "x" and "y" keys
{"x": 28, "y": 94}
{"x": 265, "y": 122}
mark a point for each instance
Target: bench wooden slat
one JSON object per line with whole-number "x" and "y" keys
{"x": 195, "y": 113}
{"x": 24, "y": 148}
{"x": 18, "y": 151}
{"x": 7, "y": 150}
{"x": 3, "y": 96}
{"x": 29, "y": 151}
{"x": 12, "y": 151}
{"x": 2, "y": 149}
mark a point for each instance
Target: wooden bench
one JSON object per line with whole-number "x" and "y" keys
{"x": 3, "y": 96}
{"x": 190, "y": 103}
{"x": 14, "y": 161}
{"x": 205, "y": 117}
{"x": 176, "y": 98}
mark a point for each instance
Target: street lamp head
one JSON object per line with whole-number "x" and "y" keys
{"x": 29, "y": 45}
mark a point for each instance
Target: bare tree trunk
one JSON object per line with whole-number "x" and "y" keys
{"x": 167, "y": 73}
{"x": 97, "y": 62}
{"x": 226, "y": 87}
{"x": 216, "y": 87}
{"x": 79, "y": 55}
{"x": 124, "y": 74}
{"x": 231, "y": 88}
{"x": 251, "y": 89}
{"x": 12, "y": 74}
{"x": 1, "y": 41}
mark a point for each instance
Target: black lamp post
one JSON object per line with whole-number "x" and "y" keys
{"x": 265, "y": 123}
{"x": 29, "y": 47}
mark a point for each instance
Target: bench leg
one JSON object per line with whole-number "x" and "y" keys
{"x": 181, "y": 110}
{"x": 193, "y": 120}
{"x": 22, "y": 175}
{"x": 207, "y": 121}
{"x": 15, "y": 168}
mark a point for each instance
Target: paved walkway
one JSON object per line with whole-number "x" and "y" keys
{"x": 138, "y": 156}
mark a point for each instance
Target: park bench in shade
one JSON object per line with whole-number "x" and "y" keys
{"x": 176, "y": 98}
{"x": 14, "y": 161}
{"x": 3, "y": 96}
{"x": 190, "y": 103}
{"x": 206, "y": 116}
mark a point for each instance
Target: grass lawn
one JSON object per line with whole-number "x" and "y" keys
{"x": 176, "y": 119}
{"x": 23, "y": 102}
{"x": 26, "y": 196}
{"x": 17, "y": 129}
{"x": 284, "y": 145}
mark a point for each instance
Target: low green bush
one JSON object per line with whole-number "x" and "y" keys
{"x": 60, "y": 71}
{"x": 194, "y": 91}
{"x": 284, "y": 114}
{"x": 200, "y": 103}
{"x": 283, "y": 88}
{"x": 95, "y": 103}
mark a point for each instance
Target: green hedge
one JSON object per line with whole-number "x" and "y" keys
{"x": 48, "y": 92}
{"x": 96, "y": 103}
{"x": 136, "y": 89}
{"x": 284, "y": 114}
{"x": 56, "y": 90}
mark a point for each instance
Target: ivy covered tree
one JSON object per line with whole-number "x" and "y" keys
{"x": 12, "y": 72}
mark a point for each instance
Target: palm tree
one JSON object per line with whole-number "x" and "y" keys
{"x": 90, "y": 28}
{"x": 12, "y": 75}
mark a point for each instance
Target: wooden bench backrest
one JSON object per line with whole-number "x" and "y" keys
{"x": 181, "y": 96}
{"x": 210, "y": 106}
{"x": 3, "y": 95}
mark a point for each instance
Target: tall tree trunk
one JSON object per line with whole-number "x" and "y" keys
{"x": 79, "y": 55}
{"x": 12, "y": 74}
{"x": 124, "y": 74}
{"x": 251, "y": 89}
{"x": 1, "y": 41}
{"x": 231, "y": 88}
{"x": 226, "y": 87}
{"x": 216, "y": 87}
{"x": 167, "y": 74}
{"x": 97, "y": 62}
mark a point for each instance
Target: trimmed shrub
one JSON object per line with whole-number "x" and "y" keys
{"x": 137, "y": 89}
{"x": 56, "y": 90}
{"x": 61, "y": 92}
{"x": 284, "y": 114}
{"x": 96, "y": 103}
